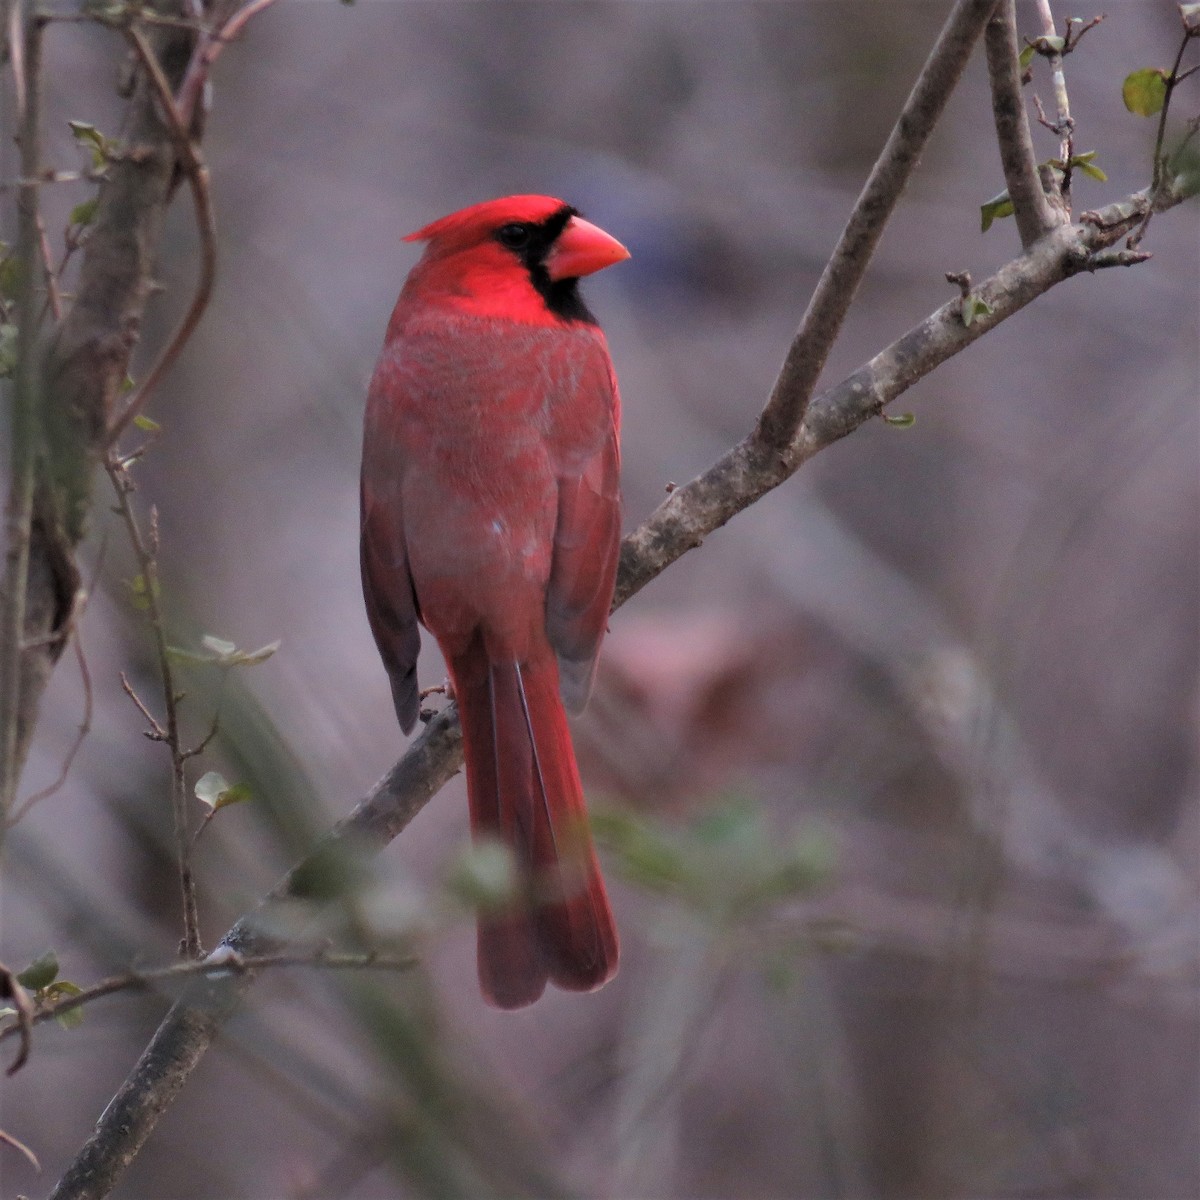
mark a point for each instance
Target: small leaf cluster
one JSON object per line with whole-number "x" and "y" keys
{"x": 728, "y": 866}
{"x": 1001, "y": 206}
{"x": 41, "y": 980}
{"x": 218, "y": 652}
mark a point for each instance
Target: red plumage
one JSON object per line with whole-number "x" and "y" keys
{"x": 491, "y": 514}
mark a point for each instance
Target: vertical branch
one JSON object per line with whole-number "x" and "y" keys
{"x": 26, "y": 391}
{"x": 1064, "y": 126}
{"x": 169, "y": 732}
{"x": 1031, "y": 208}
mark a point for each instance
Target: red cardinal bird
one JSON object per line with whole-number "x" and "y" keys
{"x": 491, "y": 513}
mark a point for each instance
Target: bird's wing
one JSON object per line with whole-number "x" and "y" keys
{"x": 587, "y": 541}
{"x": 388, "y": 590}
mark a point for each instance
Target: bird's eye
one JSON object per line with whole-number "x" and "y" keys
{"x": 515, "y": 237}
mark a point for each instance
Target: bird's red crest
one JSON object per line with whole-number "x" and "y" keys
{"x": 489, "y": 215}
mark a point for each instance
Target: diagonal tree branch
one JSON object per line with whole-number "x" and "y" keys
{"x": 881, "y": 193}
{"x": 680, "y": 523}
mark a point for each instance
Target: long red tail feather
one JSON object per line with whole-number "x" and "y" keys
{"x": 524, "y": 789}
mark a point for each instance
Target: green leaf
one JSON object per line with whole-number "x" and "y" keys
{"x": 251, "y": 658}
{"x": 213, "y": 789}
{"x": 236, "y": 794}
{"x": 93, "y": 140}
{"x": 1086, "y": 163}
{"x": 146, "y": 424}
{"x": 485, "y": 876}
{"x": 40, "y": 973}
{"x": 903, "y": 421}
{"x": 85, "y": 133}
{"x": 1027, "y": 56}
{"x": 972, "y": 307}
{"x": 142, "y": 594}
{"x": 72, "y": 1018}
{"x": 85, "y": 213}
{"x": 11, "y": 274}
{"x": 210, "y": 787}
{"x": 221, "y": 653}
{"x": 1145, "y": 91}
{"x": 995, "y": 208}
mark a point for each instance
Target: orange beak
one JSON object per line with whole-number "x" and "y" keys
{"x": 582, "y": 249}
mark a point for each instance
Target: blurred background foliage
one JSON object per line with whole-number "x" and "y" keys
{"x": 896, "y": 777}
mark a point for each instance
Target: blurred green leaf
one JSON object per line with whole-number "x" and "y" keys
{"x": 237, "y": 794}
{"x": 11, "y": 274}
{"x": 221, "y": 653}
{"x": 93, "y": 140}
{"x": 903, "y": 421}
{"x": 485, "y": 876}
{"x": 213, "y": 789}
{"x": 1027, "y": 56}
{"x": 40, "y": 973}
{"x": 993, "y": 209}
{"x": 85, "y": 213}
{"x": 140, "y": 593}
{"x": 146, "y": 424}
{"x": 209, "y": 787}
{"x": 728, "y": 864}
{"x": 60, "y": 988}
{"x": 1145, "y": 91}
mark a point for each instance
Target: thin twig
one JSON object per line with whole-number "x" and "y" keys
{"x": 53, "y": 295}
{"x": 220, "y": 962}
{"x": 12, "y": 990}
{"x": 206, "y": 53}
{"x": 167, "y": 730}
{"x": 1065, "y": 125}
{"x": 85, "y": 727}
{"x": 1032, "y": 210}
{"x": 1158, "y": 177}
{"x": 26, "y": 48}
{"x": 839, "y": 282}
{"x": 197, "y": 174}
{"x": 8, "y": 1139}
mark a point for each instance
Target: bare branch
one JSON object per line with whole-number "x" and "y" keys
{"x": 220, "y": 962}
{"x": 11, "y": 989}
{"x": 1065, "y": 125}
{"x": 847, "y": 265}
{"x": 1034, "y": 215}
{"x": 85, "y": 726}
{"x": 168, "y": 733}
